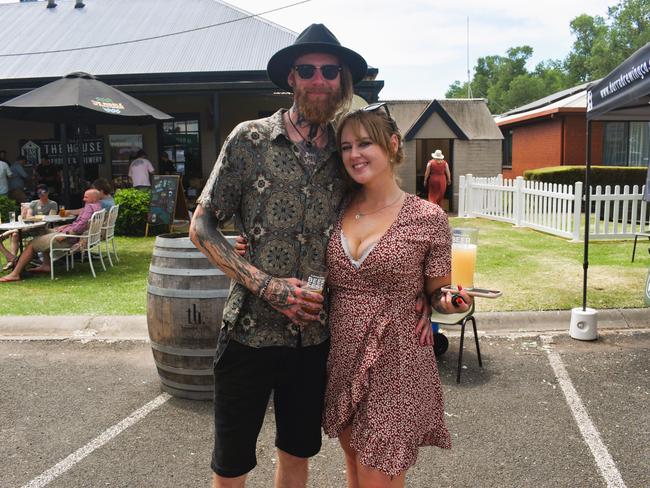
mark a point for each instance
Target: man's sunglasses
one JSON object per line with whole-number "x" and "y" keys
{"x": 307, "y": 71}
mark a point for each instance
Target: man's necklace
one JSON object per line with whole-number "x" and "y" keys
{"x": 360, "y": 214}
{"x": 309, "y": 142}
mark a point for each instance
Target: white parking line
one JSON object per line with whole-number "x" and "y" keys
{"x": 588, "y": 430}
{"x": 97, "y": 442}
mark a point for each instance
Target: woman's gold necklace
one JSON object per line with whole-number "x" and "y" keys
{"x": 360, "y": 214}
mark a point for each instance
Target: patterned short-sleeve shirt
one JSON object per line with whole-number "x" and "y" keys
{"x": 287, "y": 208}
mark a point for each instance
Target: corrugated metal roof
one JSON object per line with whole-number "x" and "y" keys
{"x": 244, "y": 45}
{"x": 577, "y": 102}
{"x": 547, "y": 100}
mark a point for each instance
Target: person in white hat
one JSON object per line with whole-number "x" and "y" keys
{"x": 436, "y": 177}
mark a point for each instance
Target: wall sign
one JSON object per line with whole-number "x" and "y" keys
{"x": 93, "y": 150}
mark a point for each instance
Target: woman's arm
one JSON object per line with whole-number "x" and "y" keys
{"x": 447, "y": 174}
{"x": 426, "y": 173}
{"x": 441, "y": 301}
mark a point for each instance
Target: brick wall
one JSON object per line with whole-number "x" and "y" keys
{"x": 552, "y": 142}
{"x": 574, "y": 139}
{"x": 536, "y": 146}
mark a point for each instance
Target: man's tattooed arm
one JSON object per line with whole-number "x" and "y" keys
{"x": 283, "y": 294}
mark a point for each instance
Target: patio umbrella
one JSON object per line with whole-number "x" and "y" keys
{"x": 79, "y": 99}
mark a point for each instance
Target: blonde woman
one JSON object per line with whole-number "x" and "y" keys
{"x": 384, "y": 398}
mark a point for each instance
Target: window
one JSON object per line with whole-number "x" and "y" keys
{"x": 181, "y": 140}
{"x": 507, "y": 150}
{"x": 626, "y": 144}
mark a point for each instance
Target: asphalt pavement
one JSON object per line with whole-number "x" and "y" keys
{"x": 81, "y": 406}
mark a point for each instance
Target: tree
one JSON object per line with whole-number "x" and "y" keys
{"x": 506, "y": 83}
{"x": 600, "y": 45}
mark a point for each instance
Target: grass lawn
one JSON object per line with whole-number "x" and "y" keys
{"x": 121, "y": 290}
{"x": 538, "y": 271}
{"x": 535, "y": 271}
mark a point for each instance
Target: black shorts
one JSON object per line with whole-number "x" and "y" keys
{"x": 243, "y": 380}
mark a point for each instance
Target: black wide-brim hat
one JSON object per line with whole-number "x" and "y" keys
{"x": 314, "y": 39}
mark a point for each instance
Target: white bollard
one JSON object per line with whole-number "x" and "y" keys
{"x": 584, "y": 324}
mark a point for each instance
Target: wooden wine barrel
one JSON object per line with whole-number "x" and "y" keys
{"x": 185, "y": 298}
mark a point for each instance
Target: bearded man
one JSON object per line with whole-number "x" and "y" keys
{"x": 282, "y": 179}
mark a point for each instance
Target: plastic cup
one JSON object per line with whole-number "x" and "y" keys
{"x": 12, "y": 217}
{"x": 315, "y": 276}
{"x": 62, "y": 211}
{"x": 463, "y": 256}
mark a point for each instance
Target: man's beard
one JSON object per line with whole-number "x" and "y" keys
{"x": 317, "y": 111}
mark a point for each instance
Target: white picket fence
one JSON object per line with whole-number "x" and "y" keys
{"x": 554, "y": 209}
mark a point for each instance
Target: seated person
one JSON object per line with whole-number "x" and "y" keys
{"x": 42, "y": 206}
{"x": 42, "y": 243}
{"x": 105, "y": 190}
{"x": 106, "y": 200}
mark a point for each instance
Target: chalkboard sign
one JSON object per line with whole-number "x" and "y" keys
{"x": 167, "y": 201}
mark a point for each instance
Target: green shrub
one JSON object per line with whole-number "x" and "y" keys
{"x": 134, "y": 206}
{"x": 7, "y": 205}
{"x": 600, "y": 175}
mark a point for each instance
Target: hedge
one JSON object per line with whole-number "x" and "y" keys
{"x": 134, "y": 206}
{"x": 599, "y": 175}
{"x": 7, "y": 205}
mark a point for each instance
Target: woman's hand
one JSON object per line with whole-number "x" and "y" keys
{"x": 423, "y": 330}
{"x": 241, "y": 245}
{"x": 448, "y": 302}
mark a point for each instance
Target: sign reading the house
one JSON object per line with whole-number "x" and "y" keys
{"x": 93, "y": 151}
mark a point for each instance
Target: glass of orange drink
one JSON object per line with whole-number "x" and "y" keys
{"x": 463, "y": 256}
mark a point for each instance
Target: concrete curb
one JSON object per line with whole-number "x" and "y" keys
{"x": 134, "y": 327}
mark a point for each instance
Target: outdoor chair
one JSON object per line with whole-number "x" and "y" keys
{"x": 458, "y": 319}
{"x": 636, "y": 236}
{"x": 108, "y": 232}
{"x": 86, "y": 243}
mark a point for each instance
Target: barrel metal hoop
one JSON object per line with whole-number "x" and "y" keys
{"x": 184, "y": 255}
{"x": 182, "y": 351}
{"x": 185, "y": 271}
{"x": 178, "y": 243}
{"x": 183, "y": 386}
{"x": 190, "y": 372}
{"x": 174, "y": 293}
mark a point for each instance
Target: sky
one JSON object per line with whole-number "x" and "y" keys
{"x": 420, "y": 46}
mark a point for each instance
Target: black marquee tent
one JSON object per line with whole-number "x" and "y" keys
{"x": 624, "y": 94}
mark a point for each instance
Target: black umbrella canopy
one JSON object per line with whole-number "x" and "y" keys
{"x": 80, "y": 98}
{"x": 625, "y": 88}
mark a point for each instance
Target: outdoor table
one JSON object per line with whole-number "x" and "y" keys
{"x": 20, "y": 227}
{"x": 53, "y": 220}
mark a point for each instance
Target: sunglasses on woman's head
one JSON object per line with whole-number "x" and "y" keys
{"x": 307, "y": 71}
{"x": 374, "y": 107}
